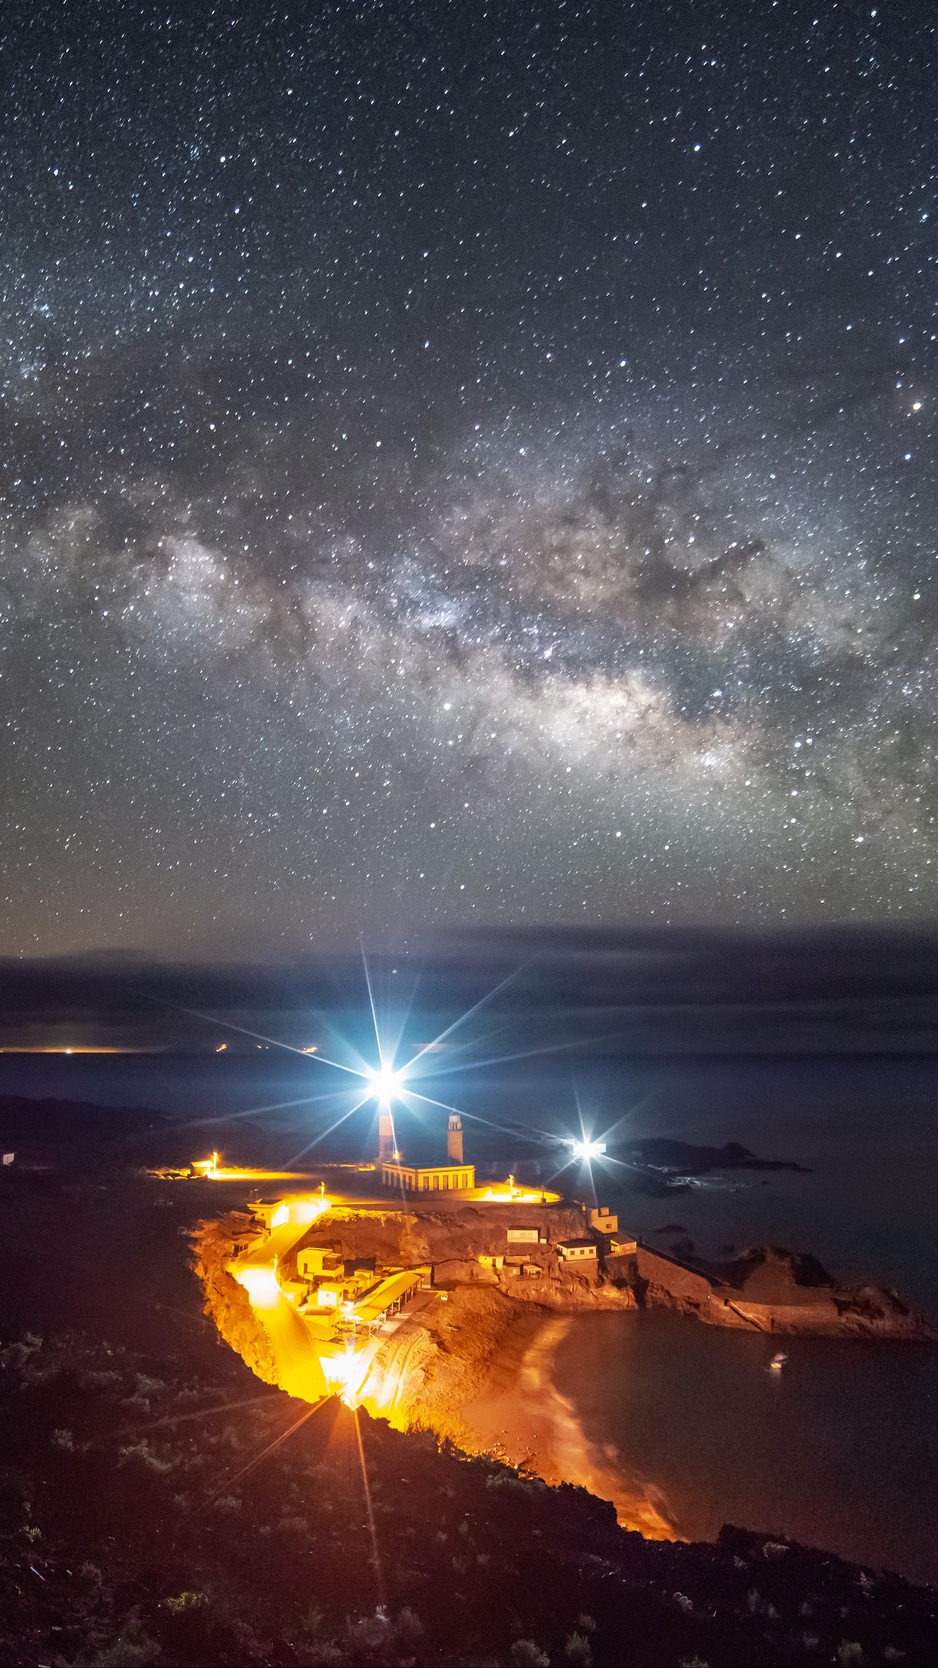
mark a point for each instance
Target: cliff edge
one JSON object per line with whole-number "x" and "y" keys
{"x": 769, "y": 1289}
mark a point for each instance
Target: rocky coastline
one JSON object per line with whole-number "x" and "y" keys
{"x": 157, "y": 1504}
{"x": 767, "y": 1288}
{"x": 150, "y": 1546}
{"x": 456, "y": 1365}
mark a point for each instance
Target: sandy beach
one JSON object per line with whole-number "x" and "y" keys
{"x": 478, "y": 1369}
{"x": 522, "y": 1419}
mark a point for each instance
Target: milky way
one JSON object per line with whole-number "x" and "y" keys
{"x": 465, "y": 465}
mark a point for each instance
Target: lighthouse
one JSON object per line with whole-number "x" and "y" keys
{"x": 455, "y": 1176}
{"x": 385, "y": 1134}
{"x": 454, "y": 1139}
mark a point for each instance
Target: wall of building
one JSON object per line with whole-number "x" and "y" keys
{"x": 440, "y": 1178}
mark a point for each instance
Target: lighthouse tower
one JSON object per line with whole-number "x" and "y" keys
{"x": 385, "y": 1134}
{"x": 454, "y": 1139}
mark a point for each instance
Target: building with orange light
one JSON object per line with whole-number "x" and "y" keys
{"x": 604, "y": 1220}
{"x": 427, "y": 1178}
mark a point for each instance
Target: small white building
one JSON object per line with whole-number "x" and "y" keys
{"x": 603, "y": 1220}
{"x": 318, "y": 1262}
{"x": 577, "y": 1250}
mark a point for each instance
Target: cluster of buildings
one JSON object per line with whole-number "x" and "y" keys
{"x": 525, "y": 1247}
{"x": 326, "y": 1314}
{"x": 339, "y": 1298}
{"x": 457, "y": 1176}
{"x": 351, "y": 1292}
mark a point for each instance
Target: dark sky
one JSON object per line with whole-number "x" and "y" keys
{"x": 465, "y": 463}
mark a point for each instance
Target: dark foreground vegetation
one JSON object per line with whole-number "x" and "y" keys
{"x": 146, "y": 1518}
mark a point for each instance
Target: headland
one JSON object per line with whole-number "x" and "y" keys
{"x": 441, "y": 1312}
{"x": 151, "y": 1495}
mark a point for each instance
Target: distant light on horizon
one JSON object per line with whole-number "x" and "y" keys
{"x": 57, "y": 1048}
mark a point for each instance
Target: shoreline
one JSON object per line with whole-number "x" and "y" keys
{"x": 520, "y": 1417}
{"x": 474, "y": 1363}
{"x": 477, "y": 1372}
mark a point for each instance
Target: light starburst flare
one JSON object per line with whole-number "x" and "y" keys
{"x": 386, "y": 1080}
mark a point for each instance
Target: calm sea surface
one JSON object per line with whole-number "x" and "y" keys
{"x": 841, "y": 1449}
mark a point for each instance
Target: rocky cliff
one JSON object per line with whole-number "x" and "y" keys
{"x": 225, "y": 1301}
{"x": 769, "y": 1289}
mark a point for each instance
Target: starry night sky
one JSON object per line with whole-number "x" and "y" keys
{"x": 465, "y": 463}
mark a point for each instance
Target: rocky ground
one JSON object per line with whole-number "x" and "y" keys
{"x": 149, "y": 1515}
{"x": 769, "y": 1289}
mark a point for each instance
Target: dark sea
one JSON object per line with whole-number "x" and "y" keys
{"x": 840, "y": 1449}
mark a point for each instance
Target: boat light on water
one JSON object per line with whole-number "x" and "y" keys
{"x": 778, "y": 1361}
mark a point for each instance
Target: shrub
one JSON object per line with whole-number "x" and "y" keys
{"x": 525, "y": 1654}
{"x": 128, "y": 1650}
{"x": 577, "y": 1651}
{"x": 186, "y": 1601}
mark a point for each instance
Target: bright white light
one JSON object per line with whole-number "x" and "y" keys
{"x": 386, "y": 1081}
{"x": 587, "y": 1149}
{"x": 261, "y": 1285}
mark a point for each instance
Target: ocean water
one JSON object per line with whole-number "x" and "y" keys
{"x": 865, "y": 1132}
{"x": 841, "y": 1449}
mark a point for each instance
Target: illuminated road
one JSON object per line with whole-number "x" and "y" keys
{"x": 276, "y": 1245}
{"x": 312, "y": 1357}
{"x": 299, "y": 1368}
{"x": 292, "y": 1339}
